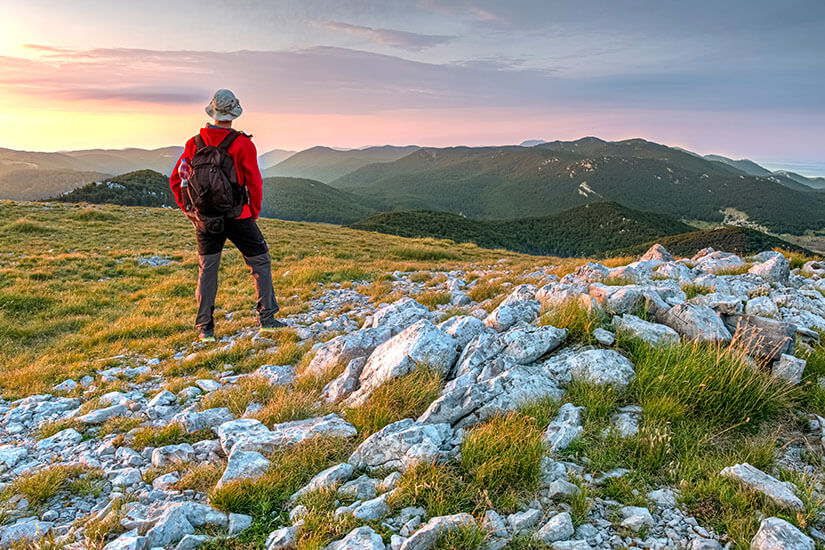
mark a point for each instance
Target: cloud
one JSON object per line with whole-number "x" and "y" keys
{"x": 331, "y": 80}
{"x": 409, "y": 41}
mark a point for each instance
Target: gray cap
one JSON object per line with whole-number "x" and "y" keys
{"x": 224, "y": 106}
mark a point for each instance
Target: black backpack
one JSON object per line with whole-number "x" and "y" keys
{"x": 214, "y": 192}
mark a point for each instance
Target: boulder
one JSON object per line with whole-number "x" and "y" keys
{"x": 172, "y": 526}
{"x": 527, "y": 344}
{"x": 405, "y": 443}
{"x": 475, "y": 397}
{"x": 761, "y": 337}
{"x": 235, "y": 430}
{"x": 283, "y": 538}
{"x": 695, "y": 322}
{"x": 425, "y": 538}
{"x": 602, "y": 367}
{"x": 364, "y": 488}
{"x": 762, "y": 306}
{"x": 342, "y": 349}
{"x": 399, "y": 315}
{"x": 519, "y": 307}
{"x": 60, "y": 440}
{"x": 559, "y": 527}
{"x": 346, "y": 383}
{"x": 191, "y": 542}
{"x": 278, "y": 375}
{"x": 774, "y": 270}
{"x": 757, "y": 480}
{"x": 566, "y": 427}
{"x": 617, "y": 300}
{"x": 327, "y": 479}
{"x": 778, "y": 534}
{"x": 604, "y": 337}
{"x": 243, "y": 465}
{"x": 789, "y": 369}
{"x": 169, "y": 455}
{"x": 193, "y": 420}
{"x": 476, "y": 354}
{"x": 99, "y": 416}
{"x": 127, "y": 541}
{"x": 420, "y": 344}
{"x": 625, "y": 421}
{"x": 657, "y": 252}
{"x": 360, "y": 538}
{"x": 716, "y": 261}
{"x": 26, "y": 529}
{"x": 464, "y": 328}
{"x": 652, "y": 333}
{"x": 373, "y": 509}
{"x": 635, "y": 518}
{"x": 285, "y": 434}
{"x": 522, "y": 521}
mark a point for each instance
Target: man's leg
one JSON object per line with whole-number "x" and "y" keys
{"x": 246, "y": 235}
{"x": 208, "y": 265}
{"x": 210, "y": 246}
{"x": 267, "y": 305}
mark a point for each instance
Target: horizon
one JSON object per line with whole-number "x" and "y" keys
{"x": 463, "y": 72}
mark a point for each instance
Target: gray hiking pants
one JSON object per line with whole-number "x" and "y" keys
{"x": 247, "y": 237}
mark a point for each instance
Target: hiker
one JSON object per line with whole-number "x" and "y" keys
{"x": 217, "y": 183}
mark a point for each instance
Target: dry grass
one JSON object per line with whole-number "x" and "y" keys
{"x": 71, "y": 295}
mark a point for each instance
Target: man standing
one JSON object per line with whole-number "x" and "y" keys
{"x": 217, "y": 183}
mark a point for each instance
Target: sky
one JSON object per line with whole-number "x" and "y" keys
{"x": 742, "y": 78}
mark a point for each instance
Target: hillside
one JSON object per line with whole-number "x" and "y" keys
{"x": 273, "y": 157}
{"x": 140, "y": 188}
{"x": 423, "y": 384}
{"x": 325, "y": 164}
{"x": 120, "y": 161}
{"x": 593, "y": 229}
{"x": 301, "y": 199}
{"x": 511, "y": 182}
{"x": 740, "y": 240}
{"x": 33, "y": 184}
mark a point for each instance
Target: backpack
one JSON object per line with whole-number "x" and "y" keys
{"x": 214, "y": 192}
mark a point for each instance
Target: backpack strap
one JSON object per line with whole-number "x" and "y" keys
{"x": 199, "y": 143}
{"x": 229, "y": 139}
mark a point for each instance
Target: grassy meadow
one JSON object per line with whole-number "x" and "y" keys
{"x": 75, "y": 298}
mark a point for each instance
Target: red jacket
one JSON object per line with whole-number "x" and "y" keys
{"x": 245, "y": 155}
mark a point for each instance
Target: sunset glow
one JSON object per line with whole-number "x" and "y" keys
{"x": 433, "y": 73}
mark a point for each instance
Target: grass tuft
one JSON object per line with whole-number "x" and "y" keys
{"x": 579, "y": 320}
{"x": 403, "y": 397}
{"x": 503, "y": 458}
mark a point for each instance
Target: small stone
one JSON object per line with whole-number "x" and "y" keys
{"x": 636, "y": 518}
{"x": 604, "y": 337}
{"x": 522, "y": 521}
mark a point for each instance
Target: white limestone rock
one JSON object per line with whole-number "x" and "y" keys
{"x": 652, "y": 333}
{"x": 420, "y": 344}
{"x": 602, "y": 367}
{"x": 778, "y": 534}
{"x": 405, "y": 443}
{"x": 557, "y": 528}
{"x": 698, "y": 323}
{"x": 243, "y": 465}
{"x": 566, "y": 427}
{"x": 789, "y": 369}
{"x": 757, "y": 480}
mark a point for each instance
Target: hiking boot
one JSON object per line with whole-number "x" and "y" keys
{"x": 271, "y": 325}
{"x": 206, "y": 335}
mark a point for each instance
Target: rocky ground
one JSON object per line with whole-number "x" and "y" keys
{"x": 72, "y": 479}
